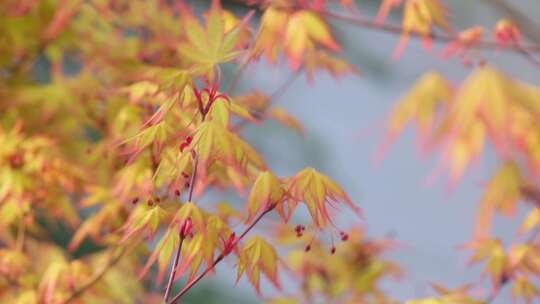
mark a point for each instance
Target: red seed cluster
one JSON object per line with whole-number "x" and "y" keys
{"x": 299, "y": 229}
{"x": 344, "y": 236}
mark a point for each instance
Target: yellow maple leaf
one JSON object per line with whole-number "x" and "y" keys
{"x": 266, "y": 191}
{"x": 258, "y": 256}
{"x": 318, "y": 192}
{"x": 420, "y": 17}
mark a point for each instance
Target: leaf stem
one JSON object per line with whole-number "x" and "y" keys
{"x": 173, "y": 270}
{"x": 399, "y": 30}
{"x": 275, "y": 95}
{"x": 174, "y": 266}
{"x": 112, "y": 261}
{"x": 221, "y": 256}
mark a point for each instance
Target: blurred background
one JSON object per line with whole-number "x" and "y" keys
{"x": 344, "y": 122}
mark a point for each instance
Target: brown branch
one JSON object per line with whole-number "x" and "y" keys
{"x": 173, "y": 270}
{"x": 439, "y": 37}
{"x": 112, "y": 261}
{"x": 272, "y": 98}
{"x": 174, "y": 266}
{"x": 221, "y": 256}
{"x": 525, "y": 24}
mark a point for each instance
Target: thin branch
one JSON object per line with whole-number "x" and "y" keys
{"x": 440, "y": 37}
{"x": 222, "y": 255}
{"x": 284, "y": 86}
{"x": 193, "y": 176}
{"x": 113, "y": 260}
{"x": 525, "y": 24}
{"x": 173, "y": 270}
{"x": 21, "y": 233}
{"x": 174, "y": 266}
{"x": 234, "y": 83}
{"x": 275, "y": 95}
{"x": 505, "y": 279}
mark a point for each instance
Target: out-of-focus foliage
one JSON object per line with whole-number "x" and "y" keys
{"x": 131, "y": 126}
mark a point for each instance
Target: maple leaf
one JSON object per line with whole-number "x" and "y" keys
{"x": 146, "y": 219}
{"x": 211, "y": 45}
{"x": 502, "y": 194}
{"x": 280, "y": 114}
{"x": 531, "y": 221}
{"x": 258, "y": 256}
{"x": 302, "y": 30}
{"x": 524, "y": 288}
{"x": 420, "y": 16}
{"x": 200, "y": 249}
{"x": 493, "y": 254}
{"x": 385, "y": 8}
{"x": 213, "y": 142}
{"x": 465, "y": 40}
{"x": 266, "y": 191}
{"x": 421, "y": 105}
{"x": 488, "y": 102}
{"x": 319, "y": 60}
{"x": 316, "y": 191}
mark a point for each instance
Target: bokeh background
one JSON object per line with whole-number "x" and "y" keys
{"x": 344, "y": 121}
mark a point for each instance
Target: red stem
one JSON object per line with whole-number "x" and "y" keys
{"x": 173, "y": 270}
{"x": 398, "y": 30}
{"x": 221, "y": 256}
{"x": 174, "y": 266}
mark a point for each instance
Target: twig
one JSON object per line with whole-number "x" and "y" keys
{"x": 398, "y": 30}
{"x": 237, "y": 76}
{"x": 113, "y": 260}
{"x": 173, "y": 270}
{"x": 21, "y": 233}
{"x": 272, "y": 98}
{"x": 505, "y": 279}
{"x": 174, "y": 266}
{"x": 221, "y": 256}
{"x": 526, "y": 24}
{"x": 193, "y": 176}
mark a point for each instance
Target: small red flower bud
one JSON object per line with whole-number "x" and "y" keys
{"x": 229, "y": 244}
{"x": 150, "y": 203}
{"x": 308, "y": 248}
{"x": 344, "y": 237}
{"x": 333, "y": 250}
{"x": 186, "y": 228}
{"x": 188, "y": 140}
{"x": 182, "y": 147}
{"x": 135, "y": 201}
{"x": 186, "y": 185}
{"x": 158, "y": 199}
{"x": 177, "y": 192}
{"x": 185, "y": 175}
